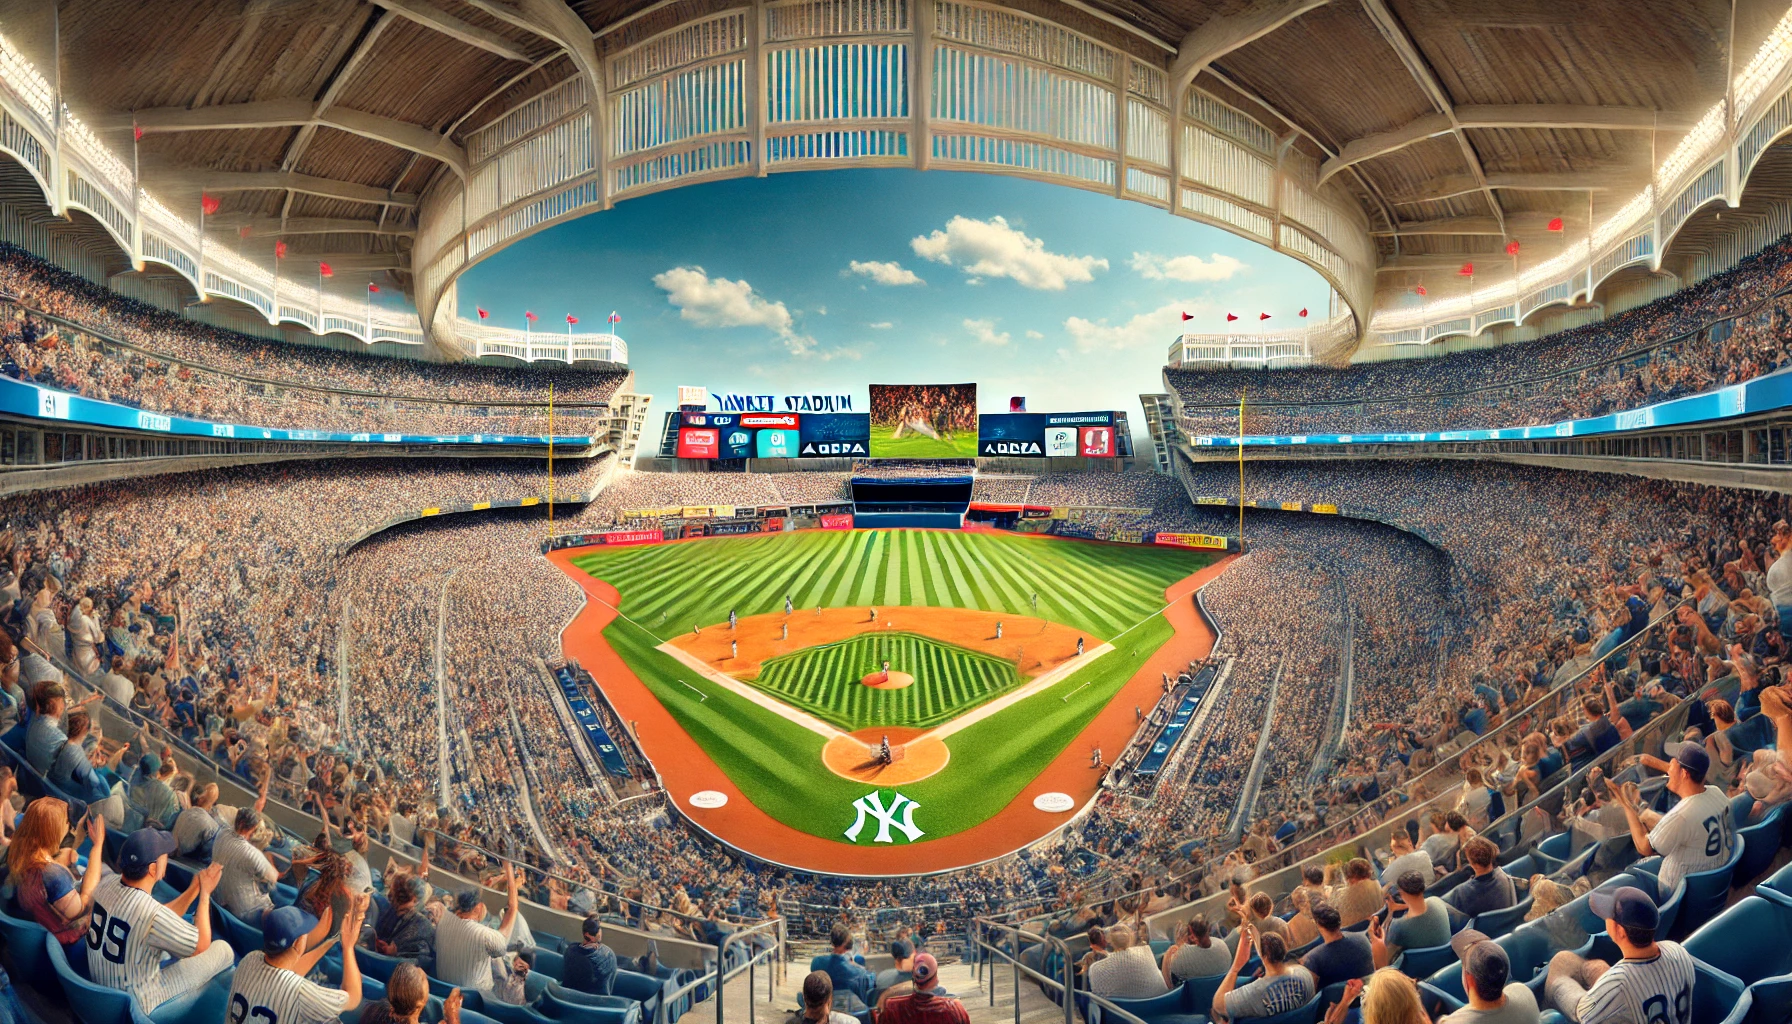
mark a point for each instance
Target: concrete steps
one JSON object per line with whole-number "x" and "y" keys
{"x": 771, "y": 1005}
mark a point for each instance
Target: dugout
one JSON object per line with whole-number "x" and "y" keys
{"x": 936, "y": 502}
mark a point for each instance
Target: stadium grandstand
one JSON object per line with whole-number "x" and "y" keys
{"x": 360, "y": 661}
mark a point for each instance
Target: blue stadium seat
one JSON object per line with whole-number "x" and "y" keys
{"x": 1422, "y": 963}
{"x": 25, "y": 941}
{"x": 1714, "y": 994}
{"x": 1750, "y": 941}
{"x": 1706, "y": 891}
{"x": 1780, "y": 882}
{"x": 1197, "y": 993}
{"x": 619, "y": 1011}
{"x": 1765, "y": 1002}
{"x": 645, "y": 989}
{"x": 550, "y": 963}
{"x": 1764, "y": 839}
{"x": 97, "y": 1004}
{"x": 471, "y": 999}
{"x": 1496, "y": 923}
{"x": 1553, "y": 852}
{"x": 1168, "y": 1008}
{"x": 510, "y": 1013}
{"x": 374, "y": 965}
{"x": 242, "y": 938}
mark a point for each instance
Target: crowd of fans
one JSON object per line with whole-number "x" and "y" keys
{"x": 131, "y": 353}
{"x": 1728, "y": 328}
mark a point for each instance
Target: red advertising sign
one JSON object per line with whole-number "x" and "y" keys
{"x": 617, "y": 537}
{"x": 1098, "y": 442}
{"x": 696, "y": 443}
{"x": 837, "y": 521}
{"x": 774, "y": 524}
{"x": 770, "y": 419}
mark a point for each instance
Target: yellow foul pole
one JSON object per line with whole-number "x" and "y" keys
{"x": 551, "y": 461}
{"x": 1241, "y": 471}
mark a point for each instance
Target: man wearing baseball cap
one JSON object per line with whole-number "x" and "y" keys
{"x": 1493, "y": 997}
{"x": 1652, "y": 983}
{"x": 926, "y": 1004}
{"x": 271, "y": 984}
{"x": 1695, "y": 834}
{"x": 131, "y": 932}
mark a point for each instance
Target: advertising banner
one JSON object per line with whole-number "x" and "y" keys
{"x": 1045, "y": 435}
{"x": 663, "y": 512}
{"x": 1291, "y": 506}
{"x": 727, "y": 529}
{"x": 734, "y": 402}
{"x": 1330, "y": 510}
{"x": 1036, "y": 512}
{"x": 758, "y": 420}
{"x": 777, "y": 444}
{"x": 707, "y": 512}
{"x": 612, "y": 538}
{"x": 692, "y": 396}
{"x": 923, "y": 421}
{"x": 708, "y": 419}
{"x": 837, "y": 521}
{"x": 834, "y": 435}
{"x": 698, "y": 443}
{"x": 1191, "y": 540}
{"x": 1213, "y": 501}
{"x": 737, "y": 443}
{"x": 1098, "y": 442}
{"x": 775, "y": 524}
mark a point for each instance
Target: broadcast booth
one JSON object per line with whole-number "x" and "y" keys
{"x": 935, "y": 502}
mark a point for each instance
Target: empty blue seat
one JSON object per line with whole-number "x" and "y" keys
{"x": 375, "y": 965}
{"x": 1714, "y": 994}
{"x": 1763, "y": 840}
{"x": 1168, "y": 1008}
{"x": 1750, "y": 941}
{"x": 618, "y": 1010}
{"x": 1422, "y": 963}
{"x": 471, "y": 999}
{"x": 1706, "y": 891}
{"x": 1780, "y": 882}
{"x": 1496, "y": 923}
{"x": 550, "y": 963}
{"x": 25, "y": 941}
{"x": 1553, "y": 851}
{"x": 645, "y": 989}
{"x": 510, "y": 1013}
{"x": 1764, "y": 1002}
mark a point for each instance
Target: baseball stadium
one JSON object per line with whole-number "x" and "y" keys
{"x": 895, "y": 512}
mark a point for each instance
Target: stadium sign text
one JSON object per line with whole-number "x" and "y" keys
{"x": 871, "y": 805}
{"x": 814, "y": 449}
{"x": 1030, "y": 448}
{"x": 785, "y": 403}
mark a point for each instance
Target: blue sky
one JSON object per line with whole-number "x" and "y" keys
{"x": 832, "y": 280}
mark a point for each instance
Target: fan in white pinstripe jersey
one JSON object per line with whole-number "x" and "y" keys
{"x": 131, "y": 932}
{"x": 270, "y": 985}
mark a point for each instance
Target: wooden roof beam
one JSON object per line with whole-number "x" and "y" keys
{"x": 1218, "y": 36}
{"x": 280, "y": 181}
{"x": 1472, "y": 226}
{"x": 295, "y": 113}
{"x": 1513, "y": 115}
{"x": 271, "y": 227}
{"x": 447, "y": 24}
{"x": 1452, "y": 185}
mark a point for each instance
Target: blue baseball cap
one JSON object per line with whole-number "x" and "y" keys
{"x": 283, "y": 926}
{"x": 1627, "y": 905}
{"x": 144, "y": 847}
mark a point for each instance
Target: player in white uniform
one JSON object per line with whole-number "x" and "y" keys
{"x": 131, "y": 932}
{"x": 1653, "y": 983}
{"x": 270, "y": 985}
{"x": 1695, "y": 834}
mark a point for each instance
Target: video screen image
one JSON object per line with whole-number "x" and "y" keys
{"x": 923, "y": 421}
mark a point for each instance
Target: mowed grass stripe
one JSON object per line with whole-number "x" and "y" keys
{"x": 825, "y": 681}
{"x": 957, "y": 592}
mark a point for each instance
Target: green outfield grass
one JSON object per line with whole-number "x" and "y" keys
{"x": 919, "y": 446}
{"x": 1111, "y": 592}
{"x": 824, "y": 681}
{"x": 1096, "y": 588}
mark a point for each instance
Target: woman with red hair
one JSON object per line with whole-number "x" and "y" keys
{"x": 41, "y": 862}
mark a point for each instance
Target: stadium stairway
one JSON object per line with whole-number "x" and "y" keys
{"x": 958, "y": 978}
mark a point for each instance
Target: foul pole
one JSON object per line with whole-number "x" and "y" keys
{"x": 1241, "y": 395}
{"x": 551, "y": 462}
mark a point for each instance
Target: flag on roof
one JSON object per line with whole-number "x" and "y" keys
{"x": 1231, "y": 317}
{"x": 483, "y": 312}
{"x": 615, "y": 317}
{"x": 323, "y": 270}
{"x": 1262, "y": 316}
{"x": 528, "y": 316}
{"x": 209, "y": 204}
{"x": 570, "y": 319}
{"x": 1303, "y": 311}
{"x": 279, "y": 250}
{"x": 373, "y": 288}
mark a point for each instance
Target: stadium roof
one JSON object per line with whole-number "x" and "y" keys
{"x": 1449, "y": 127}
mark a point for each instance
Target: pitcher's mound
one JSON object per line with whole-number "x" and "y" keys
{"x": 888, "y": 680}
{"x": 856, "y": 758}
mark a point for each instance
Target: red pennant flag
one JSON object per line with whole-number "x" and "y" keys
{"x": 323, "y": 270}
{"x": 483, "y": 313}
{"x": 1188, "y": 316}
{"x": 136, "y": 131}
{"x": 615, "y": 317}
{"x": 373, "y": 287}
{"x": 528, "y": 316}
{"x": 571, "y": 319}
{"x": 1466, "y": 270}
{"x": 279, "y": 250}
{"x": 1512, "y": 248}
{"x": 1303, "y": 311}
{"x": 209, "y": 204}
{"x": 1230, "y": 317}
{"x": 1262, "y": 316}
{"x": 1420, "y": 291}
{"x": 1555, "y": 224}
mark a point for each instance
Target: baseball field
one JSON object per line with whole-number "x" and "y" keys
{"x": 984, "y": 630}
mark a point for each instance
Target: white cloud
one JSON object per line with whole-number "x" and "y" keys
{"x": 1145, "y": 330}
{"x": 1035, "y": 335}
{"x": 985, "y": 332}
{"x": 892, "y": 274}
{"x": 718, "y": 302}
{"x": 1153, "y": 267}
{"x": 990, "y": 248}
{"x": 881, "y": 325}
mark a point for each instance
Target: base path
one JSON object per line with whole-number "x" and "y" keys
{"x": 685, "y": 767}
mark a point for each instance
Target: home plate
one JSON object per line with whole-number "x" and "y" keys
{"x": 709, "y": 799}
{"x": 1054, "y": 803}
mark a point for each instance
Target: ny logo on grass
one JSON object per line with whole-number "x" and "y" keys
{"x": 871, "y": 805}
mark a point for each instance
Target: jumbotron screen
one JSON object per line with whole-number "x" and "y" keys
{"x": 923, "y": 421}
